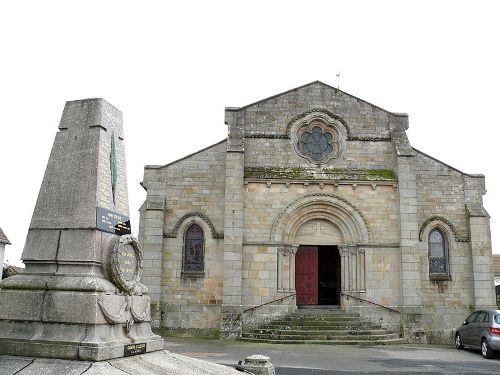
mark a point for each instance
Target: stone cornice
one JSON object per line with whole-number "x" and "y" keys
{"x": 312, "y": 174}
{"x": 286, "y": 136}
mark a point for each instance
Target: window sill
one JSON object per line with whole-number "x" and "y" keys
{"x": 193, "y": 273}
{"x": 438, "y": 277}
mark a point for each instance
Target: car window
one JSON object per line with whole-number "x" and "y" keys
{"x": 471, "y": 317}
{"x": 497, "y": 319}
{"x": 480, "y": 317}
{"x": 486, "y": 318}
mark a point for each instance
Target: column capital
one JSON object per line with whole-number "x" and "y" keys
{"x": 343, "y": 251}
{"x": 348, "y": 249}
{"x": 291, "y": 249}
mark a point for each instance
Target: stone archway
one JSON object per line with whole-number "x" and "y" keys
{"x": 329, "y": 207}
{"x": 322, "y": 220}
{"x": 318, "y": 232}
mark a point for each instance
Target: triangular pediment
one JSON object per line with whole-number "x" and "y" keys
{"x": 275, "y": 115}
{"x": 304, "y": 88}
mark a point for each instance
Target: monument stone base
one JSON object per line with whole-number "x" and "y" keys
{"x": 75, "y": 341}
{"x": 161, "y": 362}
{"x": 72, "y": 324}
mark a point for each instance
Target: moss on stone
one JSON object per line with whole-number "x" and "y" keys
{"x": 278, "y": 173}
{"x": 362, "y": 174}
{"x": 283, "y": 173}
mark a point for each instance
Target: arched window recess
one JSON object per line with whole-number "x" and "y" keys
{"x": 439, "y": 266}
{"x": 193, "y": 257}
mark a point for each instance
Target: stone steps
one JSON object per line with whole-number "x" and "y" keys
{"x": 311, "y": 323}
{"x": 346, "y": 327}
{"x": 328, "y": 342}
{"x": 300, "y": 332}
{"x": 321, "y": 326}
{"x": 302, "y": 336}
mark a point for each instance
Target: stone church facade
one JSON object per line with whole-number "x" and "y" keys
{"x": 316, "y": 197}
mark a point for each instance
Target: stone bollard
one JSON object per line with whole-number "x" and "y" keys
{"x": 257, "y": 364}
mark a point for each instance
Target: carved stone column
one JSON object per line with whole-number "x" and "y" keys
{"x": 353, "y": 263}
{"x": 352, "y": 266}
{"x": 361, "y": 270}
{"x": 279, "y": 254}
{"x": 344, "y": 268}
{"x": 292, "y": 250}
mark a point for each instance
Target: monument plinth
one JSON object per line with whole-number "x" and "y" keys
{"x": 80, "y": 296}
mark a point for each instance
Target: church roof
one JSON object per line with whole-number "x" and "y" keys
{"x": 3, "y": 237}
{"x": 304, "y": 86}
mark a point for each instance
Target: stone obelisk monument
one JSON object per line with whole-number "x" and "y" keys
{"x": 80, "y": 296}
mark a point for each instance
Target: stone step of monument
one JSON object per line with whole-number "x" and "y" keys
{"x": 328, "y": 342}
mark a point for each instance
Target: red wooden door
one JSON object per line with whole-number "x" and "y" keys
{"x": 306, "y": 275}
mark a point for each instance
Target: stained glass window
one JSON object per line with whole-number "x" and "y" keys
{"x": 194, "y": 249}
{"x": 316, "y": 143}
{"x": 437, "y": 252}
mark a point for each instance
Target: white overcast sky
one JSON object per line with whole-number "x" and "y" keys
{"x": 172, "y": 67}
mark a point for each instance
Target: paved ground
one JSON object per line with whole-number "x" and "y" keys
{"x": 340, "y": 359}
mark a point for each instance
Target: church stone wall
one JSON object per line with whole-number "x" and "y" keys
{"x": 187, "y": 191}
{"x": 378, "y": 204}
{"x": 440, "y": 192}
{"x": 357, "y": 154}
{"x": 441, "y": 201}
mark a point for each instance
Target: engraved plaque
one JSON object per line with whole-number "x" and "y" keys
{"x": 127, "y": 258}
{"x": 112, "y": 222}
{"x": 125, "y": 269}
{"x": 134, "y": 349}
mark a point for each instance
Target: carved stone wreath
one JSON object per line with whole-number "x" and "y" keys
{"x": 125, "y": 267}
{"x": 318, "y": 138}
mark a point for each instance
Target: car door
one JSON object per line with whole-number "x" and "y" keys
{"x": 465, "y": 329}
{"x": 482, "y": 324}
{"x": 475, "y": 329}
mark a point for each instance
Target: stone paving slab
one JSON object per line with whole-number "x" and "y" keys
{"x": 161, "y": 362}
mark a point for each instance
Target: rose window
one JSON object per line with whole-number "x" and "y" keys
{"x": 317, "y": 141}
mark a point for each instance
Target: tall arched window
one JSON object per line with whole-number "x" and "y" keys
{"x": 438, "y": 262}
{"x": 194, "y": 248}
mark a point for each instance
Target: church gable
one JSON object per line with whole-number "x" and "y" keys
{"x": 274, "y": 116}
{"x": 315, "y": 129}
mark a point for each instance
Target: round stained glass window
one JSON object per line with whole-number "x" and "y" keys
{"x": 318, "y": 142}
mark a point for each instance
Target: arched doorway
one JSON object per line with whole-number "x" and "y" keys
{"x": 317, "y": 263}
{"x": 322, "y": 234}
{"x": 317, "y": 275}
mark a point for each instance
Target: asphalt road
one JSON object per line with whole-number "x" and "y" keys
{"x": 341, "y": 359}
